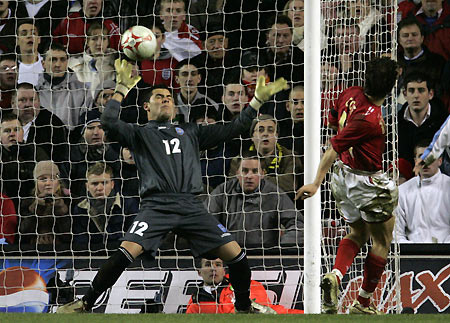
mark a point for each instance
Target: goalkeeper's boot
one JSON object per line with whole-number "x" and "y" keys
{"x": 330, "y": 290}
{"x": 256, "y": 308}
{"x": 357, "y": 308}
{"x": 76, "y": 306}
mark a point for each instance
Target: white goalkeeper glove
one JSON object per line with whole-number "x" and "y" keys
{"x": 263, "y": 92}
{"x": 125, "y": 80}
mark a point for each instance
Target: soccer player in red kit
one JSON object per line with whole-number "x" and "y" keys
{"x": 365, "y": 196}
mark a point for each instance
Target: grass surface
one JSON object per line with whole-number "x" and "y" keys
{"x": 215, "y": 318}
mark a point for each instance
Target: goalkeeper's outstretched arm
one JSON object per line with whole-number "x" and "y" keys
{"x": 117, "y": 129}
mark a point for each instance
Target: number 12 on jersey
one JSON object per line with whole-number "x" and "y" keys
{"x": 140, "y": 226}
{"x": 172, "y": 146}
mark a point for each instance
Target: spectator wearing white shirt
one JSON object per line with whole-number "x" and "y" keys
{"x": 95, "y": 65}
{"x": 182, "y": 40}
{"x": 423, "y": 205}
{"x": 60, "y": 90}
{"x": 30, "y": 61}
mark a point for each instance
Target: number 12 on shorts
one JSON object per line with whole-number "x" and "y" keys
{"x": 140, "y": 226}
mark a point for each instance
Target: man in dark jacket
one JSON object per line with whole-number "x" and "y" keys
{"x": 416, "y": 56}
{"x": 8, "y": 80}
{"x": 167, "y": 158}
{"x": 259, "y": 214}
{"x": 420, "y": 117}
{"x": 41, "y": 127}
{"x": 281, "y": 166}
{"x": 103, "y": 216}
{"x": 8, "y": 23}
{"x": 217, "y": 59}
{"x": 17, "y": 160}
{"x": 93, "y": 147}
{"x": 284, "y": 59}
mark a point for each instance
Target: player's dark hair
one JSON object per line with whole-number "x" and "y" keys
{"x": 419, "y": 77}
{"x": 409, "y": 21}
{"x": 262, "y": 118}
{"x": 381, "y": 74}
{"x": 146, "y": 93}
{"x": 27, "y": 22}
{"x": 56, "y": 47}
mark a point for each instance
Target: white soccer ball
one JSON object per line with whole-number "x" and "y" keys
{"x": 138, "y": 43}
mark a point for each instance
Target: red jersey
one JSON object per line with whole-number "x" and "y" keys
{"x": 8, "y": 219}
{"x": 160, "y": 71}
{"x": 360, "y": 140}
{"x": 71, "y": 32}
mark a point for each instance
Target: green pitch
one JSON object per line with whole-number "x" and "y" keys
{"x": 215, "y": 318}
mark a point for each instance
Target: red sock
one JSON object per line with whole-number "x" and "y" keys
{"x": 373, "y": 269}
{"x": 347, "y": 251}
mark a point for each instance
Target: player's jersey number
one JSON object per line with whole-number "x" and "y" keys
{"x": 350, "y": 106}
{"x": 172, "y": 146}
{"x": 139, "y": 228}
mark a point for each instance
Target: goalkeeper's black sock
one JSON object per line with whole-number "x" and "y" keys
{"x": 107, "y": 275}
{"x": 240, "y": 276}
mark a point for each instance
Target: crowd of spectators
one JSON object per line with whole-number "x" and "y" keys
{"x": 63, "y": 181}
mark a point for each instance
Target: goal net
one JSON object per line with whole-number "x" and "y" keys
{"x": 61, "y": 220}
{"x": 357, "y": 31}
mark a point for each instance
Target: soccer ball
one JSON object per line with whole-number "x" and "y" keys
{"x": 138, "y": 43}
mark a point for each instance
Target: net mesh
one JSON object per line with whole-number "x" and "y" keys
{"x": 352, "y": 41}
{"x": 56, "y": 232}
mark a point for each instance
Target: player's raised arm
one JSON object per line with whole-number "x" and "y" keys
{"x": 125, "y": 79}
{"x": 440, "y": 142}
{"x": 118, "y": 129}
{"x": 263, "y": 92}
{"x": 327, "y": 160}
{"x": 211, "y": 136}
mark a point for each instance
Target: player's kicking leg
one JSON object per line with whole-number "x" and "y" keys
{"x": 105, "y": 278}
{"x": 381, "y": 234}
{"x": 240, "y": 276}
{"x": 347, "y": 251}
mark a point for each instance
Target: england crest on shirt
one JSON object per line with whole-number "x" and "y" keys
{"x": 166, "y": 73}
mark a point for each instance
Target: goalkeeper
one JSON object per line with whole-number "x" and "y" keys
{"x": 167, "y": 158}
{"x": 365, "y": 196}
